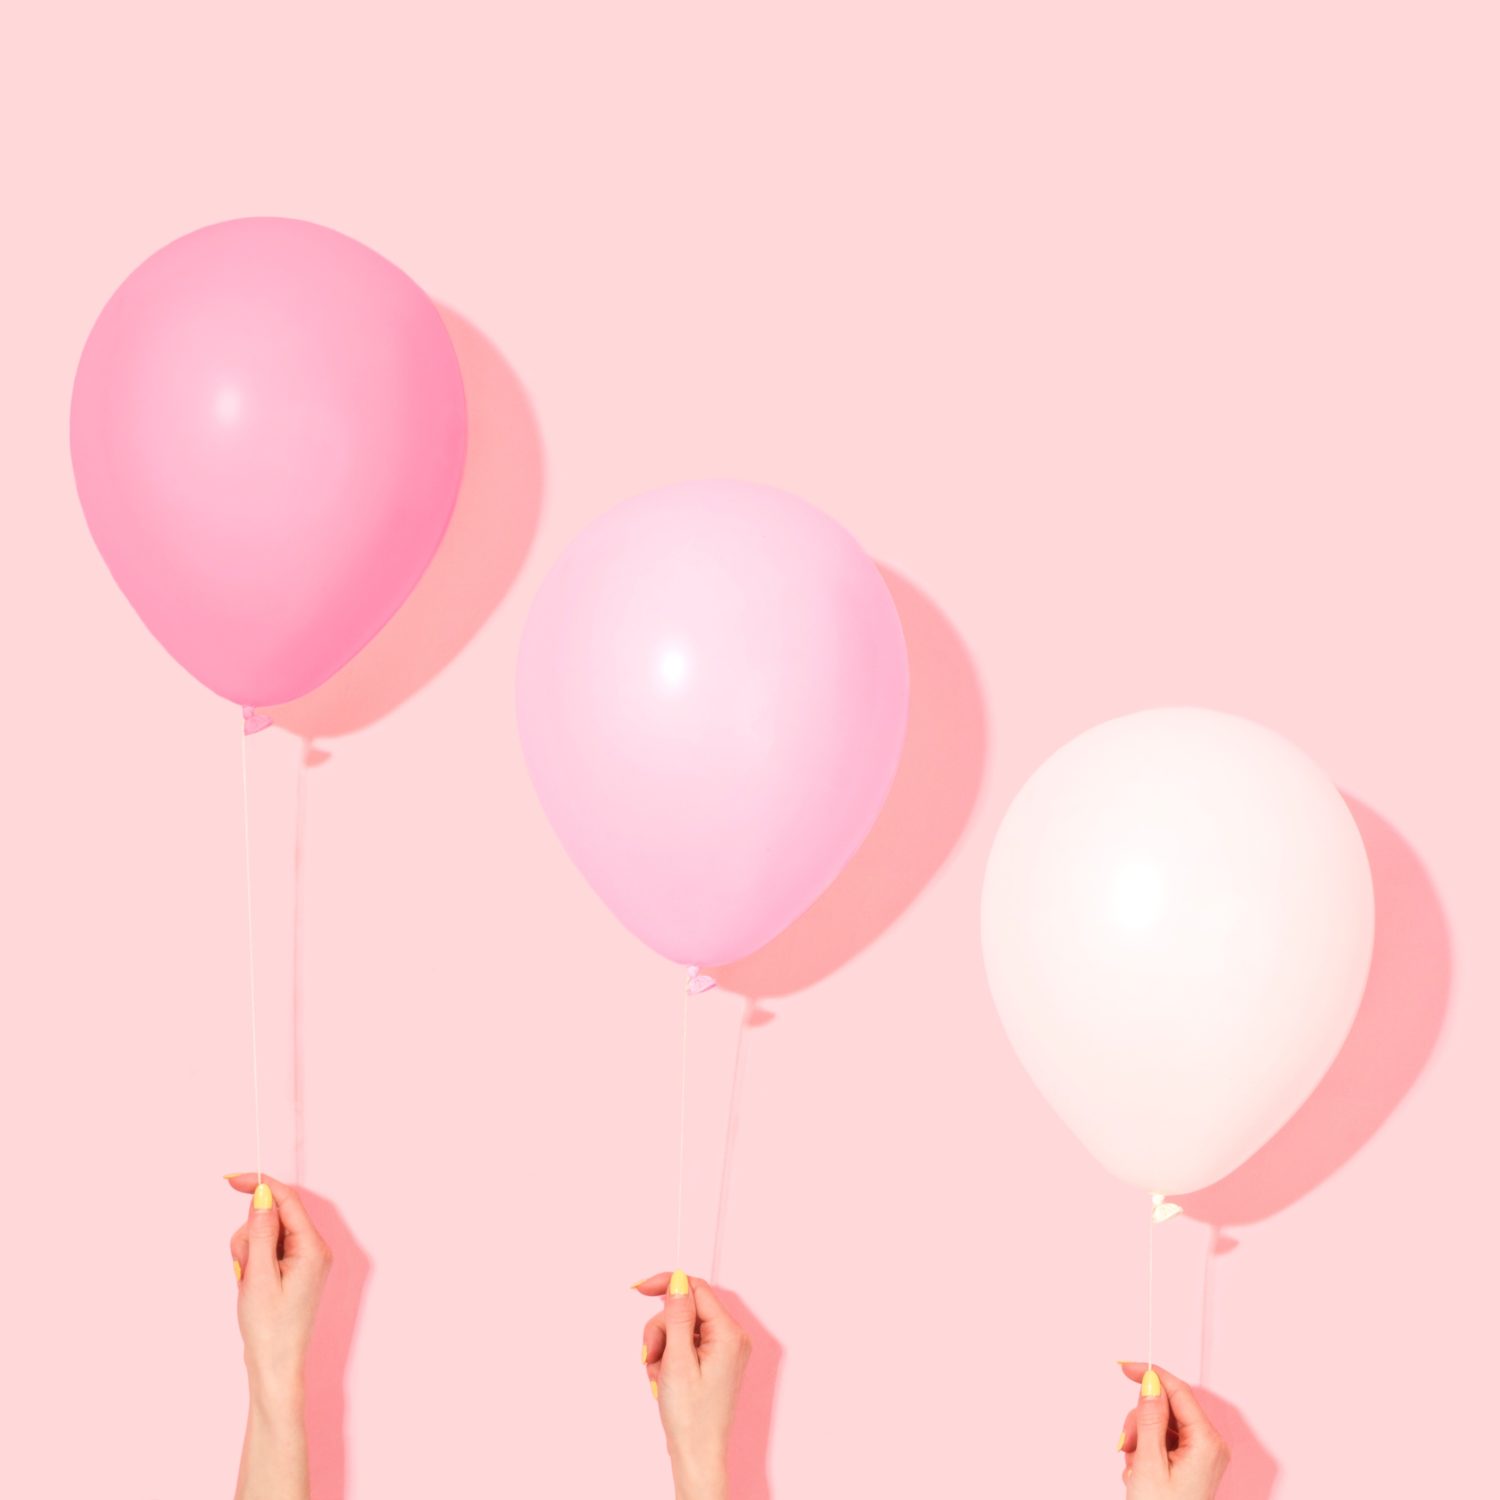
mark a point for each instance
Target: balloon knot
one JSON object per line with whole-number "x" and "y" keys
{"x": 697, "y": 983}
{"x": 1161, "y": 1210}
{"x": 255, "y": 722}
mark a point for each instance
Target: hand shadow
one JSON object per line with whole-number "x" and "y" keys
{"x": 328, "y": 1355}
{"x": 1252, "y": 1471}
{"x": 494, "y": 519}
{"x": 1393, "y": 1035}
{"x": 750, "y": 1437}
{"x": 931, "y": 798}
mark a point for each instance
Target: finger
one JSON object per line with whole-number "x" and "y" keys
{"x": 1126, "y": 1443}
{"x": 653, "y": 1341}
{"x": 239, "y": 1250}
{"x": 679, "y": 1316}
{"x": 653, "y": 1346}
{"x": 1151, "y": 1415}
{"x": 654, "y": 1335}
{"x": 710, "y": 1309}
{"x": 262, "y": 1231}
{"x": 716, "y": 1329}
{"x": 1187, "y": 1415}
{"x": 298, "y": 1230}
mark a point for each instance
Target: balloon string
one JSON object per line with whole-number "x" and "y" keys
{"x": 250, "y": 946}
{"x": 1151, "y": 1280}
{"x": 682, "y": 1126}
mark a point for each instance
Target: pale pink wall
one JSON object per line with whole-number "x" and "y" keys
{"x": 1150, "y": 349}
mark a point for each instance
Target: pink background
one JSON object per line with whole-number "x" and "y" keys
{"x": 1151, "y": 351}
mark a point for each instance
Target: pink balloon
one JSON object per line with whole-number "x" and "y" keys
{"x": 712, "y": 701}
{"x": 268, "y": 431}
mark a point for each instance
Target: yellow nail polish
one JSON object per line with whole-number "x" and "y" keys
{"x": 262, "y": 1198}
{"x": 654, "y": 1395}
{"x": 239, "y": 1270}
{"x": 230, "y": 1176}
{"x": 643, "y": 1354}
{"x": 1119, "y": 1442}
{"x": 635, "y": 1285}
{"x": 679, "y": 1286}
{"x": 1151, "y": 1385}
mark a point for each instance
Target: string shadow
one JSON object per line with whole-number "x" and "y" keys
{"x": 310, "y": 757}
{"x": 931, "y": 799}
{"x": 1394, "y": 1032}
{"x": 338, "y": 1315}
{"x": 750, "y": 1016}
{"x": 328, "y": 1354}
{"x": 750, "y": 1437}
{"x": 489, "y": 534}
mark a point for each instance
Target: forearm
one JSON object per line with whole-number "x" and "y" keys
{"x": 273, "y": 1465}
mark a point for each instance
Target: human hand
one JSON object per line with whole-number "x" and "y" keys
{"x": 1171, "y": 1448}
{"x": 695, "y": 1355}
{"x": 281, "y": 1263}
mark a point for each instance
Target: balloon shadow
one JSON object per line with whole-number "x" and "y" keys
{"x": 493, "y": 522}
{"x": 750, "y": 1437}
{"x": 1394, "y": 1032}
{"x": 931, "y": 799}
{"x": 328, "y": 1354}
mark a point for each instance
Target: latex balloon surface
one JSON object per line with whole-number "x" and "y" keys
{"x": 268, "y": 430}
{"x": 712, "y": 700}
{"x": 1177, "y": 921}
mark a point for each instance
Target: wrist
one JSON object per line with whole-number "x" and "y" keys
{"x": 700, "y": 1476}
{"x": 276, "y": 1398}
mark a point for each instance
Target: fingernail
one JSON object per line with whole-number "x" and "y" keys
{"x": 679, "y": 1286}
{"x": 1151, "y": 1385}
{"x": 654, "y": 1396}
{"x": 262, "y": 1199}
{"x": 230, "y": 1176}
{"x": 239, "y": 1270}
{"x": 643, "y": 1354}
{"x": 1119, "y": 1442}
{"x": 635, "y": 1285}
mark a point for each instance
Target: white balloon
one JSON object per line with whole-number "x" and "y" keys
{"x": 1177, "y": 920}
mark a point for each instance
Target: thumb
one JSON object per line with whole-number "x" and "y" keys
{"x": 679, "y": 1316}
{"x": 1151, "y": 1416}
{"x": 262, "y": 1234}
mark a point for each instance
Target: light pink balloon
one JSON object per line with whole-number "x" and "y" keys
{"x": 1177, "y": 918}
{"x": 712, "y": 702}
{"x": 268, "y": 431}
